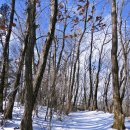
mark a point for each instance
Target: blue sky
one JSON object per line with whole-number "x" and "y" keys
{"x": 100, "y": 4}
{"x": 43, "y": 19}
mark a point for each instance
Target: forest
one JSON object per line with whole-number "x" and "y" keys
{"x": 65, "y": 55}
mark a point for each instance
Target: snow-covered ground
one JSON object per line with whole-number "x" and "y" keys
{"x": 82, "y": 120}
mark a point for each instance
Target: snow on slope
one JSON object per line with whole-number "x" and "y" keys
{"x": 83, "y": 120}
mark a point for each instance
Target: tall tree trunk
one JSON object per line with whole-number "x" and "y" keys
{"x": 45, "y": 51}
{"x": 95, "y": 106}
{"x": 77, "y": 82}
{"x": 85, "y": 91}
{"x": 73, "y": 80}
{"x": 53, "y": 98}
{"x": 107, "y": 82}
{"x": 117, "y": 106}
{"x": 5, "y": 55}
{"x": 124, "y": 51}
{"x": 90, "y": 100}
{"x": 57, "y": 67}
{"x": 77, "y": 58}
{"x": 26, "y": 123}
{"x": 9, "y": 109}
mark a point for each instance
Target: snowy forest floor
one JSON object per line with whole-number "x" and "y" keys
{"x": 82, "y": 120}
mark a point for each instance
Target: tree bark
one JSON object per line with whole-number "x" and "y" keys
{"x": 9, "y": 109}
{"x": 26, "y": 123}
{"x": 5, "y": 55}
{"x": 117, "y": 106}
{"x": 95, "y": 106}
{"x": 85, "y": 90}
{"x": 57, "y": 67}
{"x": 77, "y": 82}
{"x": 125, "y": 55}
{"x": 76, "y": 60}
{"x": 90, "y": 100}
{"x": 45, "y": 51}
{"x": 107, "y": 82}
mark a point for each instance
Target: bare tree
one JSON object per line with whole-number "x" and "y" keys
{"x": 12, "y": 95}
{"x": 26, "y": 123}
{"x": 117, "y": 106}
{"x": 95, "y": 106}
{"x": 6, "y": 55}
{"x": 106, "y": 88}
{"x": 77, "y": 58}
{"x": 124, "y": 46}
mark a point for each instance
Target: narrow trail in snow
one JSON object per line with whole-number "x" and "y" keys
{"x": 88, "y": 120}
{"x": 83, "y": 120}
